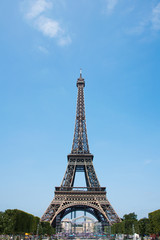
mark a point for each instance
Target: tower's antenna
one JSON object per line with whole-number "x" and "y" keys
{"x": 80, "y": 72}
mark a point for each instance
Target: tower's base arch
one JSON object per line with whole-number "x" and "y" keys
{"x": 91, "y": 201}
{"x": 72, "y": 207}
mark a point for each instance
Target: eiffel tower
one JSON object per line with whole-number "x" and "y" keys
{"x": 92, "y": 198}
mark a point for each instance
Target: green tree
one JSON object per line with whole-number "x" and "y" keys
{"x": 46, "y": 228}
{"x": 130, "y": 217}
{"x": 154, "y": 218}
{"x": 129, "y": 225}
{"x": 1, "y": 222}
{"x": 14, "y": 221}
{"x": 9, "y": 221}
{"x": 144, "y": 226}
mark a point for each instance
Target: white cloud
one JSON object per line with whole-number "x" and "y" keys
{"x": 111, "y": 5}
{"x": 43, "y": 49}
{"x": 64, "y": 41}
{"x": 150, "y": 21}
{"x": 35, "y": 12}
{"x": 48, "y": 26}
{"x": 37, "y": 7}
{"x": 138, "y": 29}
{"x": 156, "y": 17}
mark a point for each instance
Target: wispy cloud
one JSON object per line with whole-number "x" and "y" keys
{"x": 43, "y": 49}
{"x": 48, "y": 26}
{"x": 147, "y": 162}
{"x": 139, "y": 29}
{"x": 111, "y": 5}
{"x": 151, "y": 21}
{"x": 37, "y": 7}
{"x": 36, "y": 14}
{"x": 64, "y": 41}
{"x": 156, "y": 17}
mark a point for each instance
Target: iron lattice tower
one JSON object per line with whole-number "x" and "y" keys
{"x": 91, "y": 198}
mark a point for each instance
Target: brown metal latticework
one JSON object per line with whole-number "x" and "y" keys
{"x": 80, "y": 141}
{"x": 91, "y": 198}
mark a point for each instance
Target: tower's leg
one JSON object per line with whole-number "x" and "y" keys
{"x": 85, "y": 222}
{"x": 75, "y": 222}
{"x": 71, "y": 219}
{"x": 58, "y": 224}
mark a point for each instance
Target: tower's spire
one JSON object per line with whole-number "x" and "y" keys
{"x": 80, "y": 140}
{"x": 80, "y": 72}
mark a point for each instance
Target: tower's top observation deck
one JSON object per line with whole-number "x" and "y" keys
{"x": 80, "y": 80}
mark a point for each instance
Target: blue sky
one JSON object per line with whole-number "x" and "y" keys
{"x": 43, "y": 45}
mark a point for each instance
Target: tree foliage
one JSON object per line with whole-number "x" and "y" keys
{"x": 129, "y": 225}
{"x": 154, "y": 218}
{"x": 18, "y": 222}
{"x": 144, "y": 226}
